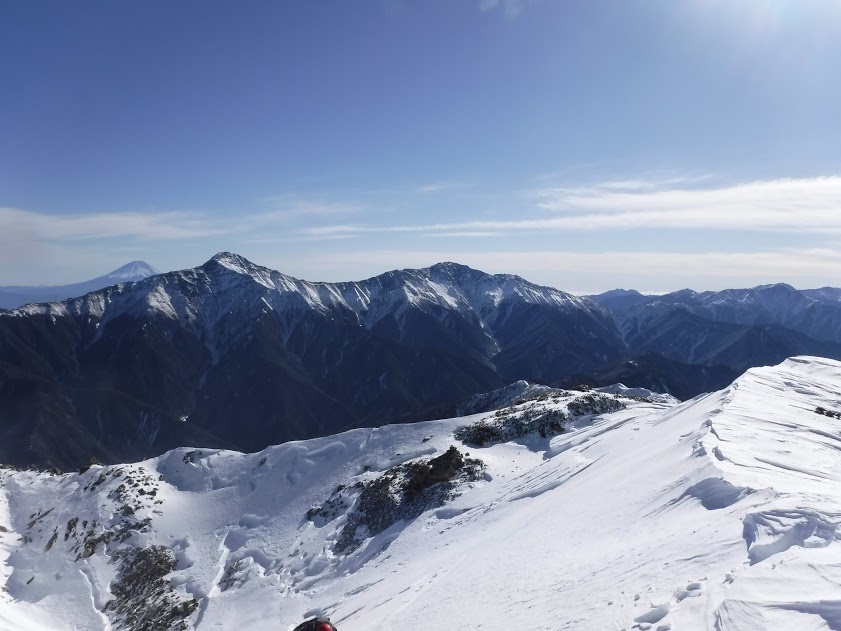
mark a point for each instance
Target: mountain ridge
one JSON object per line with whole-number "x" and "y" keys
{"x": 231, "y": 337}
{"x": 136, "y": 368}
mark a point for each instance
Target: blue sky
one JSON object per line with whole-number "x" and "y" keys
{"x": 582, "y": 144}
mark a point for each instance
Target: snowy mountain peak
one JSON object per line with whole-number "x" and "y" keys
{"x": 136, "y": 270}
{"x": 233, "y": 262}
{"x": 448, "y": 269}
{"x": 777, "y": 287}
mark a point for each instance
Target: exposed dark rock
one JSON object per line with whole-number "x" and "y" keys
{"x": 419, "y": 476}
{"x": 71, "y": 527}
{"x": 401, "y": 493}
{"x": 144, "y": 599}
{"x": 229, "y": 578}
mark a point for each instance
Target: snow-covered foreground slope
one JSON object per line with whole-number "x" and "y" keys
{"x": 719, "y": 513}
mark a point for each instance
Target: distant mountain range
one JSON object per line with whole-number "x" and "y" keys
{"x": 17, "y": 296}
{"x": 231, "y": 354}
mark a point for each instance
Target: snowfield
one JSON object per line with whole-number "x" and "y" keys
{"x": 718, "y": 513}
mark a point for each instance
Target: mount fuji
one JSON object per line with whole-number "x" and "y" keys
{"x": 14, "y": 296}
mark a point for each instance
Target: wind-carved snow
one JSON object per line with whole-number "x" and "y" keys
{"x": 718, "y": 513}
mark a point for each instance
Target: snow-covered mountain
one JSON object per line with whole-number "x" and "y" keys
{"x": 815, "y": 313}
{"x": 619, "y": 298}
{"x": 231, "y": 354}
{"x": 14, "y": 296}
{"x": 721, "y": 513}
{"x": 509, "y": 395}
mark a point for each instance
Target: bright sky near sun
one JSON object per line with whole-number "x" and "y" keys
{"x": 585, "y": 144}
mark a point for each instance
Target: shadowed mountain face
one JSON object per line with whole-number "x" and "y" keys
{"x": 657, "y": 373}
{"x": 231, "y": 354}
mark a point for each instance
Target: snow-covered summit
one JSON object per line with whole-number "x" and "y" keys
{"x": 135, "y": 270}
{"x": 719, "y": 513}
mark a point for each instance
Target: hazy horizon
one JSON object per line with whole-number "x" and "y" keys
{"x": 647, "y": 292}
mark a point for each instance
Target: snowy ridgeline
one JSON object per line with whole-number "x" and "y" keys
{"x": 582, "y": 511}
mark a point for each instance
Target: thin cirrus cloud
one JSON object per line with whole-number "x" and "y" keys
{"x": 805, "y": 205}
{"x": 511, "y": 8}
{"x": 30, "y": 225}
{"x": 566, "y": 269}
{"x": 438, "y": 187}
{"x": 282, "y": 208}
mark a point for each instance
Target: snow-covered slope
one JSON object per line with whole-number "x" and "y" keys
{"x": 16, "y": 296}
{"x": 719, "y": 513}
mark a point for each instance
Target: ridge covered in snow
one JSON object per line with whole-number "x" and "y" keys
{"x": 230, "y": 285}
{"x": 235, "y": 280}
{"x": 718, "y": 513}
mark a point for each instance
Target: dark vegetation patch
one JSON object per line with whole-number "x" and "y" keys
{"x": 533, "y": 419}
{"x": 403, "y": 492}
{"x": 595, "y": 403}
{"x": 825, "y": 412}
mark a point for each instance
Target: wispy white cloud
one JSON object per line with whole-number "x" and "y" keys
{"x": 589, "y": 272}
{"x": 29, "y": 225}
{"x": 26, "y": 231}
{"x": 511, "y": 8}
{"x": 647, "y": 184}
{"x": 284, "y": 208}
{"x": 464, "y": 234}
{"x": 806, "y": 205}
{"x": 439, "y": 187}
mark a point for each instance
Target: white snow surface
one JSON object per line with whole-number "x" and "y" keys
{"x": 719, "y": 513}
